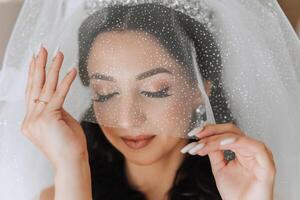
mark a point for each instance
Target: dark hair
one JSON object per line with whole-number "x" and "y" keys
{"x": 194, "y": 179}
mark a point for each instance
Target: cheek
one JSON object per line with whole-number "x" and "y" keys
{"x": 105, "y": 114}
{"x": 169, "y": 115}
{"x": 172, "y": 115}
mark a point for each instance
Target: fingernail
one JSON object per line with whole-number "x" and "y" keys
{"x": 195, "y": 149}
{"x": 195, "y": 131}
{"x": 188, "y": 147}
{"x": 70, "y": 69}
{"x": 227, "y": 140}
{"x": 55, "y": 53}
{"x": 203, "y": 125}
{"x": 39, "y": 49}
{"x": 32, "y": 56}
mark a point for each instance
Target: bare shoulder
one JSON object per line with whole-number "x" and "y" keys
{"x": 47, "y": 193}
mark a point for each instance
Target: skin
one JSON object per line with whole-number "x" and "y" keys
{"x": 57, "y": 134}
{"x": 123, "y": 56}
{"x": 250, "y": 176}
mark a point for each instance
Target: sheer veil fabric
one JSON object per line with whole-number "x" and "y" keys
{"x": 260, "y": 66}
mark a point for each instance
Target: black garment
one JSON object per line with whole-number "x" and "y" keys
{"x": 194, "y": 179}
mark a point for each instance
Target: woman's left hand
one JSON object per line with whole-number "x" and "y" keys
{"x": 251, "y": 175}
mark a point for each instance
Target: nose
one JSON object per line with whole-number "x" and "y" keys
{"x": 131, "y": 114}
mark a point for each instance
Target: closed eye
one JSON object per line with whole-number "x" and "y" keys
{"x": 104, "y": 98}
{"x": 159, "y": 94}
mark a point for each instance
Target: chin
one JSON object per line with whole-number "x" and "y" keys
{"x": 145, "y": 154}
{"x": 145, "y": 158}
{"x": 142, "y": 160}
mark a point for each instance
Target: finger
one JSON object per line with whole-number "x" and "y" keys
{"x": 52, "y": 77}
{"x": 213, "y": 143}
{"x": 29, "y": 79}
{"x": 197, "y": 130}
{"x": 216, "y": 129}
{"x": 210, "y": 145}
{"x": 60, "y": 94}
{"x": 245, "y": 148}
{"x": 271, "y": 156}
{"x": 38, "y": 78}
{"x": 51, "y": 81}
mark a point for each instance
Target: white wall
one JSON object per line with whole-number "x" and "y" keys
{"x": 298, "y": 27}
{"x": 8, "y": 13}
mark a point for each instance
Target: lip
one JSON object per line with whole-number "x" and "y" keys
{"x": 139, "y": 137}
{"x": 137, "y": 142}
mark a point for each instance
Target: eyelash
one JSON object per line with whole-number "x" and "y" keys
{"x": 159, "y": 94}
{"x": 103, "y": 98}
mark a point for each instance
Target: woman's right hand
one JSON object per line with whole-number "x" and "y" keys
{"x": 54, "y": 131}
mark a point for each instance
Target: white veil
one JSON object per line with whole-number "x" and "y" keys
{"x": 261, "y": 77}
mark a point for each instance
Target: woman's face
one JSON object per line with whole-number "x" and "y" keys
{"x": 141, "y": 98}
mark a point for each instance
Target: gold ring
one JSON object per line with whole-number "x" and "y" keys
{"x": 40, "y": 101}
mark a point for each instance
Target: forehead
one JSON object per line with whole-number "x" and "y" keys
{"x": 128, "y": 49}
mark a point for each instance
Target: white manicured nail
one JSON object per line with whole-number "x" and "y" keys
{"x": 33, "y": 54}
{"x": 39, "y": 49}
{"x": 55, "y": 53}
{"x": 188, "y": 147}
{"x": 196, "y": 148}
{"x": 70, "y": 69}
{"x": 227, "y": 140}
{"x": 195, "y": 131}
{"x": 32, "y": 57}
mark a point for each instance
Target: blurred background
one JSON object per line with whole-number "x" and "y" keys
{"x": 9, "y": 10}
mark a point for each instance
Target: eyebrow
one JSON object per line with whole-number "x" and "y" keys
{"x": 141, "y": 76}
{"x": 152, "y": 72}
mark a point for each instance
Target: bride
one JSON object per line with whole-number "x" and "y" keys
{"x": 148, "y": 66}
{"x": 60, "y": 137}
